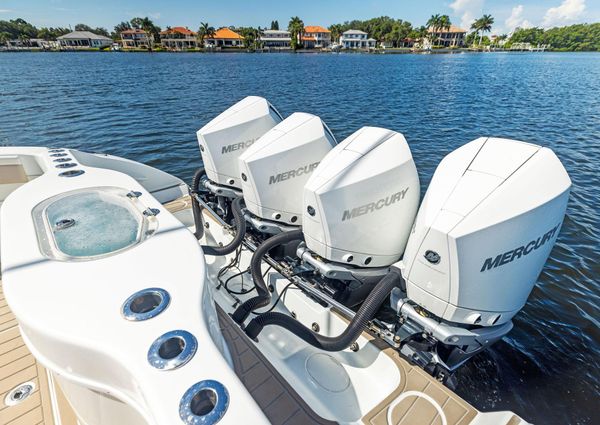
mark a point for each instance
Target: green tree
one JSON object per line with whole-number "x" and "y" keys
{"x": 296, "y": 29}
{"x": 205, "y": 31}
{"x": 485, "y": 25}
{"x": 336, "y": 31}
{"x": 275, "y": 25}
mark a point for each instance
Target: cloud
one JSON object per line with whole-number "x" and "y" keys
{"x": 567, "y": 12}
{"x": 468, "y": 10}
{"x": 516, "y": 19}
{"x": 5, "y": 11}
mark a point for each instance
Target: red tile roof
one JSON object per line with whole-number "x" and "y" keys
{"x": 134, "y": 31}
{"x": 453, "y": 29}
{"x": 178, "y": 30}
{"x": 315, "y": 28}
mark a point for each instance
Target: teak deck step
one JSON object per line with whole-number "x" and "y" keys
{"x": 18, "y": 366}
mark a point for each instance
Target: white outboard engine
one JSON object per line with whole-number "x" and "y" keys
{"x": 485, "y": 229}
{"x": 228, "y": 135}
{"x": 361, "y": 201}
{"x": 487, "y": 224}
{"x": 275, "y": 168}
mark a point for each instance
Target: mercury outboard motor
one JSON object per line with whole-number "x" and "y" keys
{"x": 275, "y": 168}
{"x": 221, "y": 142}
{"x": 359, "y": 206}
{"x": 487, "y": 224}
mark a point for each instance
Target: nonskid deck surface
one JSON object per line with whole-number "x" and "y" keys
{"x": 18, "y": 366}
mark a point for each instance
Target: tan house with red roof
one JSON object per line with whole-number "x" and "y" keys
{"x": 316, "y": 37}
{"x": 136, "y": 39}
{"x": 224, "y": 37}
{"x": 178, "y": 38}
{"x": 448, "y": 37}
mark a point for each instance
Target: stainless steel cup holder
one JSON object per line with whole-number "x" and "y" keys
{"x": 204, "y": 403}
{"x": 58, "y": 155}
{"x": 63, "y": 159}
{"x": 172, "y": 350}
{"x": 56, "y": 150}
{"x": 71, "y": 173}
{"x": 145, "y": 304}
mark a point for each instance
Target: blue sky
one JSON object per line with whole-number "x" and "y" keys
{"x": 107, "y": 13}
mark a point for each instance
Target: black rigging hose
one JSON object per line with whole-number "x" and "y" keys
{"x": 351, "y": 333}
{"x": 264, "y": 296}
{"x": 240, "y": 226}
{"x": 196, "y": 210}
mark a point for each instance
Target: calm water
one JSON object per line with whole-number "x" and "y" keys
{"x": 147, "y": 107}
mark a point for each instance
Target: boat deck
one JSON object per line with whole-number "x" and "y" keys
{"x": 18, "y": 366}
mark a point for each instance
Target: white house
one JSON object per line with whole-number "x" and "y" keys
{"x": 83, "y": 39}
{"x": 356, "y": 39}
{"x": 276, "y": 38}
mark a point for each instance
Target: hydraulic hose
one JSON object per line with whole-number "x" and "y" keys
{"x": 264, "y": 296}
{"x": 351, "y": 333}
{"x": 196, "y": 210}
{"x": 240, "y": 226}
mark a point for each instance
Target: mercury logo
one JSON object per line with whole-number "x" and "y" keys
{"x": 307, "y": 169}
{"x": 237, "y": 146}
{"x": 522, "y": 251}
{"x": 374, "y": 206}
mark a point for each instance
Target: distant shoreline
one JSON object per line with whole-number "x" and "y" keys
{"x": 392, "y": 51}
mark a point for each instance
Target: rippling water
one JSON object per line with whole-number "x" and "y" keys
{"x": 147, "y": 107}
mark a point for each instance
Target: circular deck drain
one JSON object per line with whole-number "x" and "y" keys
{"x": 19, "y": 394}
{"x": 66, "y": 165}
{"x": 204, "y": 403}
{"x": 172, "y": 350}
{"x": 145, "y": 304}
{"x": 327, "y": 373}
{"x": 71, "y": 173}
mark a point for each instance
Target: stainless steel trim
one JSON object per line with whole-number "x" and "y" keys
{"x": 267, "y": 226}
{"x": 186, "y": 345}
{"x": 66, "y": 165}
{"x": 71, "y": 173}
{"x": 128, "y": 312}
{"x": 221, "y": 403}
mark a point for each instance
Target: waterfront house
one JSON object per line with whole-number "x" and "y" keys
{"x": 83, "y": 39}
{"x": 224, "y": 37}
{"x": 278, "y": 39}
{"x": 316, "y": 37}
{"x": 356, "y": 39}
{"x": 448, "y": 37}
{"x": 178, "y": 38}
{"x": 136, "y": 39}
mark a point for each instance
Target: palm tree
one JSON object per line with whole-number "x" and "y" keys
{"x": 444, "y": 24}
{"x": 336, "y": 31}
{"x": 475, "y": 26}
{"x": 434, "y": 23}
{"x": 485, "y": 25}
{"x": 296, "y": 29}
{"x": 4, "y": 37}
{"x": 205, "y": 31}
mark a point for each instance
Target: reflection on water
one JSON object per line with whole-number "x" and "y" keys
{"x": 147, "y": 107}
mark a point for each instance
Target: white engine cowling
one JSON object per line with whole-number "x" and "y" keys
{"x": 486, "y": 227}
{"x": 361, "y": 201}
{"x": 276, "y": 167}
{"x": 229, "y": 134}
